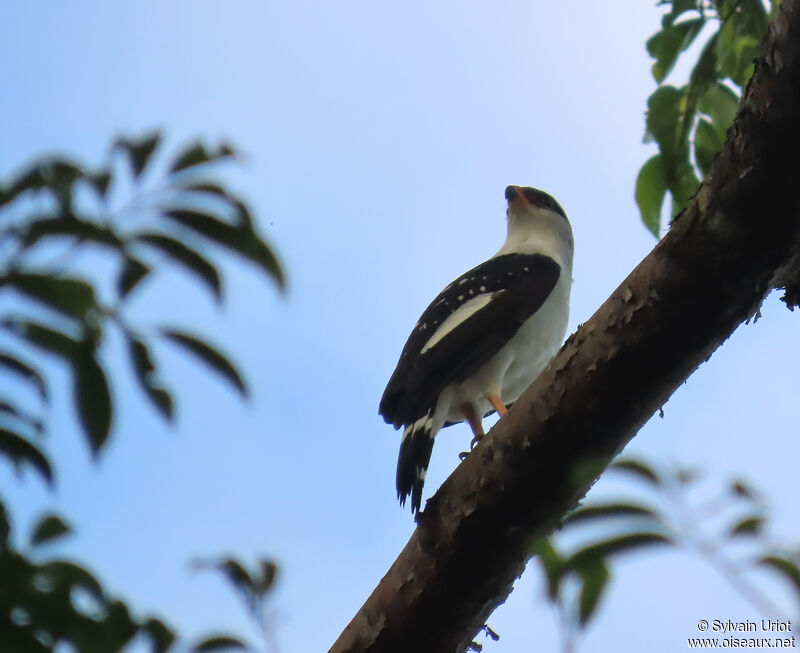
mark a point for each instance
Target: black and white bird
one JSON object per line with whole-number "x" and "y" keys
{"x": 485, "y": 337}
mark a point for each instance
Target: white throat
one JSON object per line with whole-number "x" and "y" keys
{"x": 539, "y": 231}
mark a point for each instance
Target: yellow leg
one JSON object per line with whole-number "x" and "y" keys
{"x": 498, "y": 405}
{"x": 473, "y": 419}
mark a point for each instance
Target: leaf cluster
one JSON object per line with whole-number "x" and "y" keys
{"x": 689, "y": 123}
{"x": 57, "y": 206}
{"x": 729, "y": 532}
{"x": 55, "y": 215}
{"x": 48, "y": 602}
{"x": 253, "y": 586}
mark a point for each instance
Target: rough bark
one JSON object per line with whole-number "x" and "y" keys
{"x": 735, "y": 242}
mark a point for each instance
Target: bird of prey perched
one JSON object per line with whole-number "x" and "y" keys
{"x": 485, "y": 337}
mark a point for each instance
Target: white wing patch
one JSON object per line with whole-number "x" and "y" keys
{"x": 423, "y": 423}
{"x": 461, "y": 314}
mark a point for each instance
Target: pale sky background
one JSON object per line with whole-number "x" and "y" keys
{"x": 378, "y": 138}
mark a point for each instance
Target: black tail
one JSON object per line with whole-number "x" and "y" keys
{"x": 412, "y": 463}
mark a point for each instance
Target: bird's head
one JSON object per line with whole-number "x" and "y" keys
{"x": 534, "y": 217}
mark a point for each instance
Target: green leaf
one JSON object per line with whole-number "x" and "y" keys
{"x": 268, "y": 572}
{"x": 100, "y": 181}
{"x": 43, "y": 337}
{"x": 19, "y": 449}
{"x": 9, "y": 409}
{"x": 142, "y": 361}
{"x": 720, "y": 104}
{"x": 669, "y": 112}
{"x": 704, "y": 73}
{"x": 552, "y": 565}
{"x": 609, "y": 510}
{"x": 133, "y": 271}
{"x": 92, "y": 398}
{"x": 665, "y": 108}
{"x": 733, "y": 54}
{"x": 23, "y": 640}
{"x": 57, "y": 175}
{"x": 70, "y": 226}
{"x": 120, "y": 627}
{"x": 197, "y": 154}
{"x": 30, "y": 179}
{"x": 187, "y": 257}
{"x": 209, "y": 356}
{"x": 599, "y": 551}
{"x": 23, "y": 418}
{"x": 206, "y": 187}
{"x": 239, "y": 239}
{"x": 5, "y": 527}
{"x": 741, "y": 489}
{"x": 161, "y": 636}
{"x": 637, "y": 468}
{"x": 739, "y": 38}
{"x": 72, "y": 297}
{"x": 67, "y": 575}
{"x": 666, "y": 45}
{"x": 48, "y": 528}
{"x": 243, "y": 216}
{"x": 595, "y": 579}
{"x": 139, "y": 150}
{"x": 219, "y": 643}
{"x": 651, "y": 186}
{"x": 683, "y": 184}
{"x": 236, "y": 574}
{"x": 707, "y": 143}
{"x": 146, "y": 376}
{"x": 162, "y": 399}
{"x": 678, "y": 8}
{"x": 12, "y": 363}
{"x": 748, "y": 526}
{"x": 787, "y": 568}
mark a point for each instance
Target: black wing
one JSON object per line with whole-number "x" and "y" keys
{"x": 520, "y": 284}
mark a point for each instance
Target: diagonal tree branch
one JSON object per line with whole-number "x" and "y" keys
{"x": 736, "y": 241}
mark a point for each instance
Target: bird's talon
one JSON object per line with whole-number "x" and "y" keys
{"x": 474, "y": 442}
{"x": 463, "y": 455}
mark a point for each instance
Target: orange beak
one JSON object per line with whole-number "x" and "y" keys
{"x": 516, "y": 198}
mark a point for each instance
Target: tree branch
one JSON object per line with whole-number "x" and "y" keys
{"x": 735, "y": 242}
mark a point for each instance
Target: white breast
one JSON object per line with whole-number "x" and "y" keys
{"x": 537, "y": 342}
{"x": 517, "y": 364}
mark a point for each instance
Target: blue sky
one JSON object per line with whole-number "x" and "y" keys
{"x": 377, "y": 141}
